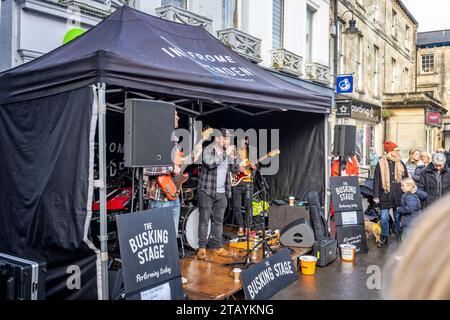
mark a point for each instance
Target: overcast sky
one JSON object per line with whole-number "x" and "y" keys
{"x": 431, "y": 14}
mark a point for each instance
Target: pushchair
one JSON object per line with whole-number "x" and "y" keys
{"x": 373, "y": 212}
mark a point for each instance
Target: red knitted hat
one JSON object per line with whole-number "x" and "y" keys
{"x": 390, "y": 146}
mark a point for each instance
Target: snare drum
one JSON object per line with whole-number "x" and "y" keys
{"x": 189, "y": 227}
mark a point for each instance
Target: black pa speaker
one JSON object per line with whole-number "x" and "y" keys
{"x": 148, "y": 130}
{"x": 344, "y": 140}
{"x": 298, "y": 233}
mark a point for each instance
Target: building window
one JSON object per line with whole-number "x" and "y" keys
{"x": 427, "y": 63}
{"x": 277, "y": 23}
{"x": 394, "y": 74}
{"x": 376, "y": 10}
{"x": 359, "y": 66}
{"x": 178, "y": 3}
{"x": 394, "y": 24}
{"x": 407, "y": 37}
{"x": 230, "y": 16}
{"x": 406, "y": 80}
{"x": 429, "y": 93}
{"x": 309, "y": 33}
{"x": 376, "y": 72}
{"x": 340, "y": 47}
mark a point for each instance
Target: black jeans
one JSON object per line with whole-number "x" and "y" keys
{"x": 214, "y": 208}
{"x": 240, "y": 199}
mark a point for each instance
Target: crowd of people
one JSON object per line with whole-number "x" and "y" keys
{"x": 407, "y": 187}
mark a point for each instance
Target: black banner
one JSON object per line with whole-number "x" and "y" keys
{"x": 345, "y": 193}
{"x": 148, "y": 247}
{"x": 263, "y": 280}
{"x": 44, "y": 161}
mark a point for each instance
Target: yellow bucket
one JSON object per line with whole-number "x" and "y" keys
{"x": 308, "y": 264}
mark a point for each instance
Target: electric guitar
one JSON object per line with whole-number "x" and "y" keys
{"x": 170, "y": 184}
{"x": 237, "y": 179}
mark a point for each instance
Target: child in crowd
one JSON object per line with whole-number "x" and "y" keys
{"x": 411, "y": 206}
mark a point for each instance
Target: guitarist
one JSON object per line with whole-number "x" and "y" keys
{"x": 156, "y": 196}
{"x": 240, "y": 191}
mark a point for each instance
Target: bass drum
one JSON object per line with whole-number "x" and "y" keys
{"x": 189, "y": 227}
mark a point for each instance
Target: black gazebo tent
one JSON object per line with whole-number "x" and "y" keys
{"x": 50, "y": 107}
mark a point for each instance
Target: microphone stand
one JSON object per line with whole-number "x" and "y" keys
{"x": 266, "y": 249}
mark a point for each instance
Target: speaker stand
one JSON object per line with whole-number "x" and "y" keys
{"x": 141, "y": 189}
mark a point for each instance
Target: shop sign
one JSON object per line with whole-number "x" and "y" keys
{"x": 344, "y": 84}
{"x": 359, "y": 111}
{"x": 433, "y": 119}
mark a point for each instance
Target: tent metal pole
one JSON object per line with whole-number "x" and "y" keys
{"x": 327, "y": 171}
{"x": 102, "y": 186}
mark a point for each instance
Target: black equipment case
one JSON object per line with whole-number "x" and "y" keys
{"x": 21, "y": 279}
{"x": 325, "y": 251}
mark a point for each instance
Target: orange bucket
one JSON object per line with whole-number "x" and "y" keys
{"x": 308, "y": 264}
{"x": 348, "y": 252}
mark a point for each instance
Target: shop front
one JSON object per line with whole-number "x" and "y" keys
{"x": 366, "y": 117}
{"x": 414, "y": 121}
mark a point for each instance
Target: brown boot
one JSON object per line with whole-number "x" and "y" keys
{"x": 221, "y": 253}
{"x": 201, "y": 254}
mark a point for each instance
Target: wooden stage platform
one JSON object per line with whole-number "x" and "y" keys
{"x": 211, "y": 279}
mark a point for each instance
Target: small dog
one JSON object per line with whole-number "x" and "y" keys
{"x": 373, "y": 228}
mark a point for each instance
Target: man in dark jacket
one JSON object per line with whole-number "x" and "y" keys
{"x": 213, "y": 190}
{"x": 387, "y": 192}
{"x": 435, "y": 179}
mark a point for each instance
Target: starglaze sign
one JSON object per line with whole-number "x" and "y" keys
{"x": 358, "y": 110}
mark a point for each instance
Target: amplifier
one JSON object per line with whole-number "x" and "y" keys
{"x": 325, "y": 251}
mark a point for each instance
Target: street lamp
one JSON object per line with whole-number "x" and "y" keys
{"x": 352, "y": 31}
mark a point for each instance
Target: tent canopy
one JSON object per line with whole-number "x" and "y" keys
{"x": 135, "y": 50}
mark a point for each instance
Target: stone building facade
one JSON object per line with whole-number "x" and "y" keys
{"x": 382, "y": 60}
{"x": 433, "y": 75}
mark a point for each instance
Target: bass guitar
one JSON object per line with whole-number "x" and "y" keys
{"x": 237, "y": 178}
{"x": 171, "y": 184}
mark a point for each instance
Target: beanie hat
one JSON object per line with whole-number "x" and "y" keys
{"x": 390, "y": 146}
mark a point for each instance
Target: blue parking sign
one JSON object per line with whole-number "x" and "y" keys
{"x": 344, "y": 84}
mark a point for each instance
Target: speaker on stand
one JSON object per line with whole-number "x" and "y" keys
{"x": 148, "y": 136}
{"x": 344, "y": 142}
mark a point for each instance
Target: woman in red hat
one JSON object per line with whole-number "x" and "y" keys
{"x": 387, "y": 192}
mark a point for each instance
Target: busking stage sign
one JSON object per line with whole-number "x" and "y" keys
{"x": 150, "y": 262}
{"x": 345, "y": 193}
{"x": 349, "y": 216}
{"x": 262, "y": 281}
